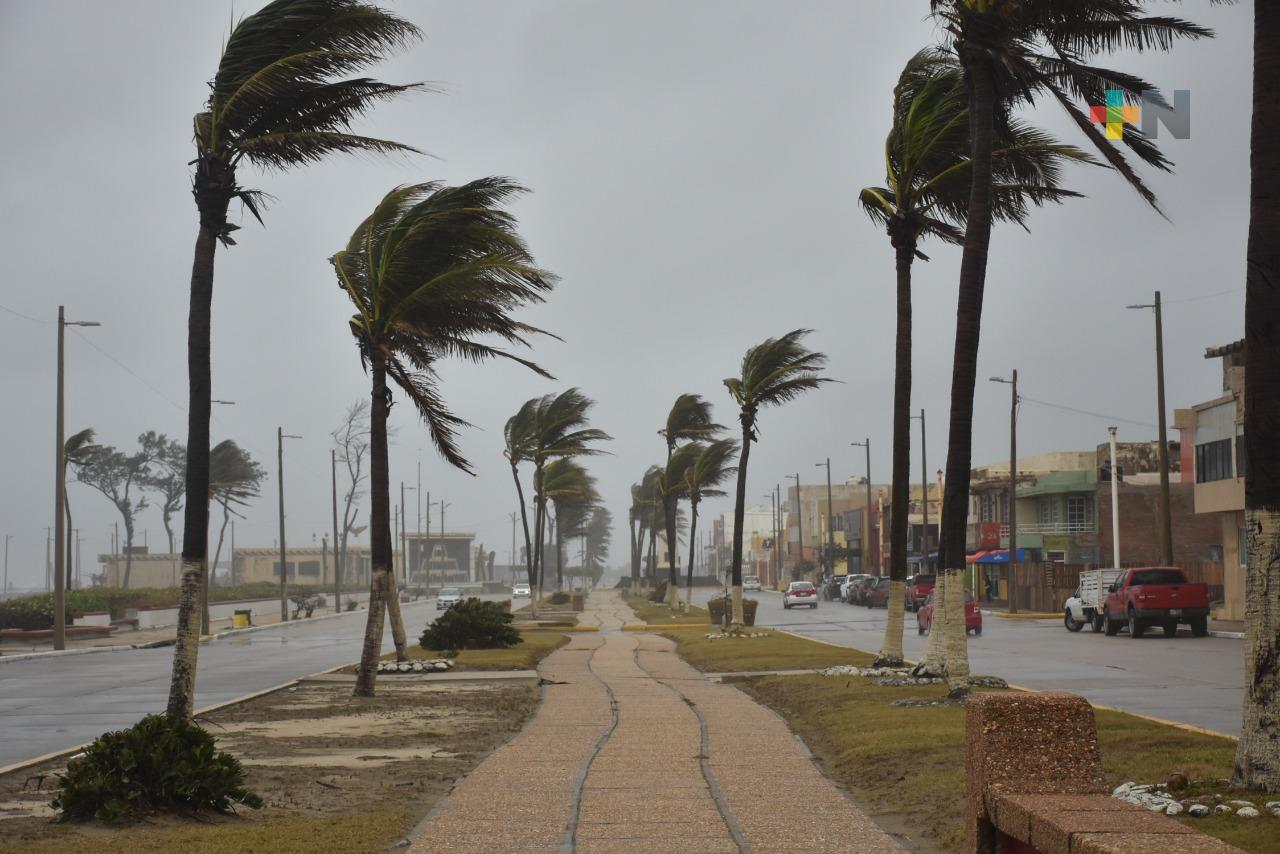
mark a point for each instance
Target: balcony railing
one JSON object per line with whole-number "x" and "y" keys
{"x": 1054, "y": 528}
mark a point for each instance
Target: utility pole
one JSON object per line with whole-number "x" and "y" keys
{"x": 799, "y": 520}
{"x": 5, "y": 590}
{"x": 1166, "y": 521}
{"x": 404, "y": 534}
{"x": 337, "y": 556}
{"x": 60, "y": 489}
{"x": 1115, "y": 503}
{"x": 79, "y": 583}
{"x": 866, "y": 544}
{"x": 515, "y": 517}
{"x": 233, "y": 552}
{"x": 777, "y": 533}
{"x": 830, "y": 562}
{"x": 924, "y": 485}
{"x": 284, "y": 566}
{"x": 1013, "y": 489}
{"x": 48, "y": 565}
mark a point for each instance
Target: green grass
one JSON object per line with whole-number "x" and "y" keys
{"x": 778, "y": 651}
{"x": 537, "y": 645}
{"x": 660, "y": 615}
{"x": 906, "y": 765}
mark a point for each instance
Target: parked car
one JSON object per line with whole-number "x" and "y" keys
{"x": 859, "y": 596}
{"x": 518, "y": 591}
{"x": 850, "y": 587}
{"x": 831, "y": 589}
{"x": 972, "y": 615}
{"x": 750, "y": 582}
{"x": 447, "y": 598}
{"x": 918, "y": 589}
{"x": 1088, "y": 603}
{"x": 1156, "y": 596}
{"x": 877, "y": 595}
{"x": 800, "y": 593}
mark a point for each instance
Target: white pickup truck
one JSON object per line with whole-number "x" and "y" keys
{"x": 1088, "y": 604}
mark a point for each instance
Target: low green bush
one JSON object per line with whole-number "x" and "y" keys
{"x": 716, "y": 608}
{"x": 471, "y": 624}
{"x": 558, "y": 598}
{"x": 160, "y": 764}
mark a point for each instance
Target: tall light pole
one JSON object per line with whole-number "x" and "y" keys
{"x": 866, "y": 544}
{"x": 777, "y": 532}
{"x": 799, "y": 519}
{"x": 404, "y": 534}
{"x": 60, "y": 490}
{"x": 831, "y": 534}
{"x": 1013, "y": 488}
{"x": 924, "y": 485}
{"x": 773, "y": 529}
{"x": 1115, "y": 503}
{"x": 337, "y": 556}
{"x": 284, "y": 566}
{"x": 1166, "y": 521}
{"x": 5, "y": 590}
{"x": 515, "y": 517}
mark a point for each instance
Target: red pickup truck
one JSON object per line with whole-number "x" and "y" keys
{"x": 1156, "y": 596}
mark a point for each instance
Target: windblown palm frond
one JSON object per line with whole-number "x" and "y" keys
{"x": 774, "y": 372}
{"x": 713, "y": 464}
{"x": 561, "y": 427}
{"x": 431, "y": 269}
{"x": 689, "y": 419}
{"x": 234, "y": 476}
{"x": 1040, "y": 49}
{"x": 519, "y": 433}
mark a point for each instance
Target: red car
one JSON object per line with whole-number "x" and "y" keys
{"x": 972, "y": 616}
{"x": 918, "y": 589}
{"x": 1156, "y": 596}
{"x": 877, "y": 595}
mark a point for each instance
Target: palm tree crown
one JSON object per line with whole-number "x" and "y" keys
{"x": 774, "y": 372}
{"x": 712, "y": 465}
{"x": 689, "y": 419}
{"x": 429, "y": 270}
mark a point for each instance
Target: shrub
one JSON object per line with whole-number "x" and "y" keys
{"x": 158, "y": 764}
{"x": 659, "y": 593}
{"x": 716, "y": 608}
{"x": 28, "y": 613}
{"x": 471, "y": 624}
{"x": 558, "y": 598}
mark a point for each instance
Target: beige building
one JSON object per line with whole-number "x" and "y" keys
{"x": 1213, "y": 447}
{"x": 311, "y": 566}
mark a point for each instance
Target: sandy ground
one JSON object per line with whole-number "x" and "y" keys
{"x": 314, "y": 751}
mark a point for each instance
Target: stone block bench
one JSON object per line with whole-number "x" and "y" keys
{"x": 1034, "y": 783}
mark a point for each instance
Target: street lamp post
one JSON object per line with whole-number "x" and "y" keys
{"x": 60, "y": 490}
{"x": 773, "y": 527}
{"x": 1013, "y": 488}
{"x": 799, "y": 520}
{"x": 924, "y": 485}
{"x": 866, "y": 544}
{"x": 284, "y": 566}
{"x": 337, "y": 555}
{"x": 831, "y": 535}
{"x": 404, "y": 533}
{"x": 1166, "y": 520}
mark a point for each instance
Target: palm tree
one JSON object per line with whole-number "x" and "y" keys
{"x": 711, "y": 466}
{"x": 77, "y": 450}
{"x": 277, "y": 101}
{"x": 559, "y": 430}
{"x": 430, "y": 270}
{"x": 688, "y": 420}
{"x": 927, "y": 177}
{"x": 572, "y": 492}
{"x": 1258, "y": 751}
{"x": 597, "y": 536}
{"x": 1015, "y": 52}
{"x": 234, "y": 479}
{"x": 519, "y": 435}
{"x": 671, "y": 488}
{"x": 774, "y": 372}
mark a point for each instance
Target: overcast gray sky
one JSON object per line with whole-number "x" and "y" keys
{"x": 694, "y": 168}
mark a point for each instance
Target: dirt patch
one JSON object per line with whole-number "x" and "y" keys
{"x": 325, "y": 763}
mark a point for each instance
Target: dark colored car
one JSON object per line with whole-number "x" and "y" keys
{"x": 878, "y": 593}
{"x": 918, "y": 589}
{"x": 972, "y": 616}
{"x": 831, "y": 588}
{"x": 864, "y": 587}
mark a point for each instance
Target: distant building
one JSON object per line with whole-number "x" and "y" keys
{"x": 309, "y": 565}
{"x": 448, "y": 556}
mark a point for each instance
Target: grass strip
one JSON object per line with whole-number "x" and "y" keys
{"x": 661, "y": 615}
{"x": 523, "y": 656}
{"x": 777, "y": 651}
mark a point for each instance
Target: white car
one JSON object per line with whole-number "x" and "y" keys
{"x": 520, "y": 591}
{"x": 800, "y": 593}
{"x": 750, "y": 582}
{"x": 447, "y": 598}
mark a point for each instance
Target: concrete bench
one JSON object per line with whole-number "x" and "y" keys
{"x": 1034, "y": 783}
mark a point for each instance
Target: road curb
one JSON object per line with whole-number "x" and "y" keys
{"x": 1230, "y": 635}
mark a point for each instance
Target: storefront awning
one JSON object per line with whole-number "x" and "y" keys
{"x": 996, "y": 556}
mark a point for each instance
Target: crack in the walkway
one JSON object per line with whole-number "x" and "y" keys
{"x": 704, "y": 758}
{"x": 570, "y": 843}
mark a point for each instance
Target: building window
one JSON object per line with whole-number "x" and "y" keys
{"x": 1049, "y": 509}
{"x": 275, "y": 568}
{"x": 309, "y": 567}
{"x": 1213, "y": 461}
{"x": 1079, "y": 513}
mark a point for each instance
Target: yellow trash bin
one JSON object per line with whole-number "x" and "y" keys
{"x": 240, "y": 619}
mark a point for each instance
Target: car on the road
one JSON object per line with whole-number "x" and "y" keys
{"x": 750, "y": 582}
{"x": 858, "y": 596}
{"x": 520, "y": 591}
{"x": 447, "y": 598}
{"x": 919, "y": 587}
{"x": 831, "y": 588}
{"x": 972, "y": 616}
{"x": 1156, "y": 596}
{"x": 877, "y": 595}
{"x": 850, "y": 587}
{"x": 800, "y": 593}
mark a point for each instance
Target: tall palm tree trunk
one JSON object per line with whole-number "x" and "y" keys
{"x": 973, "y": 274}
{"x": 214, "y": 184}
{"x": 393, "y": 617}
{"x": 635, "y": 554}
{"x": 559, "y": 553}
{"x": 669, "y": 504}
{"x": 524, "y": 522}
{"x": 1258, "y": 751}
{"x": 381, "y": 582}
{"x": 739, "y": 514}
{"x": 693, "y": 538}
{"x": 217, "y": 555}
{"x": 69, "y": 563}
{"x": 899, "y": 499}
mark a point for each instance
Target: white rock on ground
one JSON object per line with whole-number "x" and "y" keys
{"x": 1173, "y": 809}
{"x": 1247, "y": 812}
{"x": 1197, "y": 810}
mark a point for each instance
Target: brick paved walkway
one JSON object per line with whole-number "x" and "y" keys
{"x": 634, "y": 751}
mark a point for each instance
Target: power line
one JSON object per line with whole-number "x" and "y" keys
{"x": 1099, "y": 415}
{"x": 1204, "y": 296}
{"x": 27, "y": 316}
{"x": 131, "y": 372}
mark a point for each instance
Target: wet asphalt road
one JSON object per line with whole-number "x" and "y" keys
{"x": 1198, "y": 681}
{"x": 56, "y": 702}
